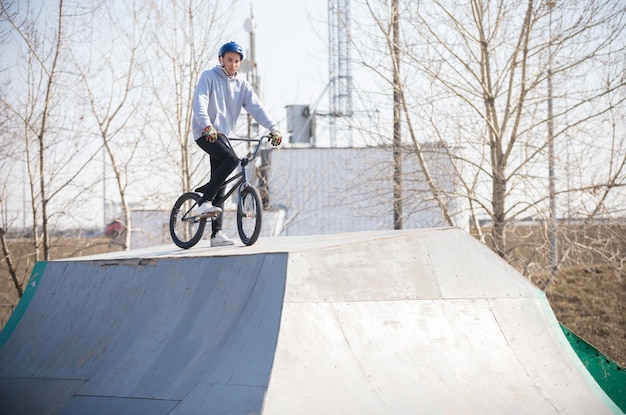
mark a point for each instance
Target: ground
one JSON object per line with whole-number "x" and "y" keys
{"x": 587, "y": 300}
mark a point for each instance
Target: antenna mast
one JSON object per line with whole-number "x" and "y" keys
{"x": 340, "y": 77}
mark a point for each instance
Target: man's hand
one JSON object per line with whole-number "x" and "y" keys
{"x": 276, "y": 138}
{"x": 210, "y": 134}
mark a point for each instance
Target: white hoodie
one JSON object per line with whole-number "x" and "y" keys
{"x": 218, "y": 102}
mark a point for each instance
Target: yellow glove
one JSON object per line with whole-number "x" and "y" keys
{"x": 210, "y": 134}
{"x": 276, "y": 138}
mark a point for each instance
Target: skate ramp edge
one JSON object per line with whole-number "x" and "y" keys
{"x": 391, "y": 322}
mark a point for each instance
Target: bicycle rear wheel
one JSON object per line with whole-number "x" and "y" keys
{"x": 185, "y": 229}
{"x": 249, "y": 215}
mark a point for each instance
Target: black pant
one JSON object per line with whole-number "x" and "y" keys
{"x": 223, "y": 161}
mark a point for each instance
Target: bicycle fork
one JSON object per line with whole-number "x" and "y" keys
{"x": 242, "y": 186}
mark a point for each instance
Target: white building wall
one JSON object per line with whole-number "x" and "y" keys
{"x": 332, "y": 190}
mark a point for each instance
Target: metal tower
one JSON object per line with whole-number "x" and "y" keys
{"x": 340, "y": 77}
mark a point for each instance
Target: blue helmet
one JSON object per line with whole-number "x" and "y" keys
{"x": 231, "y": 47}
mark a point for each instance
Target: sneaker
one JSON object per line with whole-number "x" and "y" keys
{"x": 206, "y": 209}
{"x": 220, "y": 239}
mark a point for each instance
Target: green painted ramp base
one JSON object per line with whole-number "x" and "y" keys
{"x": 610, "y": 376}
{"x": 20, "y": 309}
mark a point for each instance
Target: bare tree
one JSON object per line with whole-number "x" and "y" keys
{"x": 46, "y": 61}
{"x": 475, "y": 75}
{"x": 54, "y": 156}
{"x": 9, "y": 158}
{"x": 180, "y": 55}
{"x": 78, "y": 85}
{"x": 385, "y": 25}
{"x": 116, "y": 105}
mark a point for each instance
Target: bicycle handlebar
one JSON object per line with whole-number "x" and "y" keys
{"x": 257, "y": 140}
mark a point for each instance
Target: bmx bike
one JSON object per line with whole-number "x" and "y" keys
{"x": 186, "y": 229}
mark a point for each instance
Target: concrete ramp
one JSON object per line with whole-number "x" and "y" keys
{"x": 398, "y": 322}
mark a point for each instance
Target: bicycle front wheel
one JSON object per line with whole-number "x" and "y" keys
{"x": 185, "y": 229}
{"x": 249, "y": 215}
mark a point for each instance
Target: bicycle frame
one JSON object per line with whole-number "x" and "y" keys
{"x": 241, "y": 178}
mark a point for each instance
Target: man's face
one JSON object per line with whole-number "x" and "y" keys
{"x": 231, "y": 62}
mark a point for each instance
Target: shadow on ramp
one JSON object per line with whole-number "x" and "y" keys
{"x": 158, "y": 338}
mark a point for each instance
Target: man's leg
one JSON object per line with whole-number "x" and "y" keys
{"x": 223, "y": 161}
{"x": 216, "y": 222}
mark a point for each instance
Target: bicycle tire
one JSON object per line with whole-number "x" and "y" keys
{"x": 186, "y": 233}
{"x": 249, "y": 215}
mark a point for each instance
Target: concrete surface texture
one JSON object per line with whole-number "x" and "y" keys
{"x": 392, "y": 322}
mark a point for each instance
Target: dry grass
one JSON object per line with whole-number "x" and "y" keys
{"x": 588, "y": 291}
{"x": 590, "y": 301}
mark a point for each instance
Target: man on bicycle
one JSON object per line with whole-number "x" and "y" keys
{"x": 220, "y": 95}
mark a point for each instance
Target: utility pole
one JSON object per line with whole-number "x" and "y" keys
{"x": 340, "y": 76}
{"x": 249, "y": 26}
{"x": 105, "y": 215}
{"x": 552, "y": 222}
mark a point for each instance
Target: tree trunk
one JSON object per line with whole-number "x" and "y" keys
{"x": 9, "y": 261}
{"x": 499, "y": 219}
{"x": 397, "y": 112}
{"x": 44, "y": 127}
